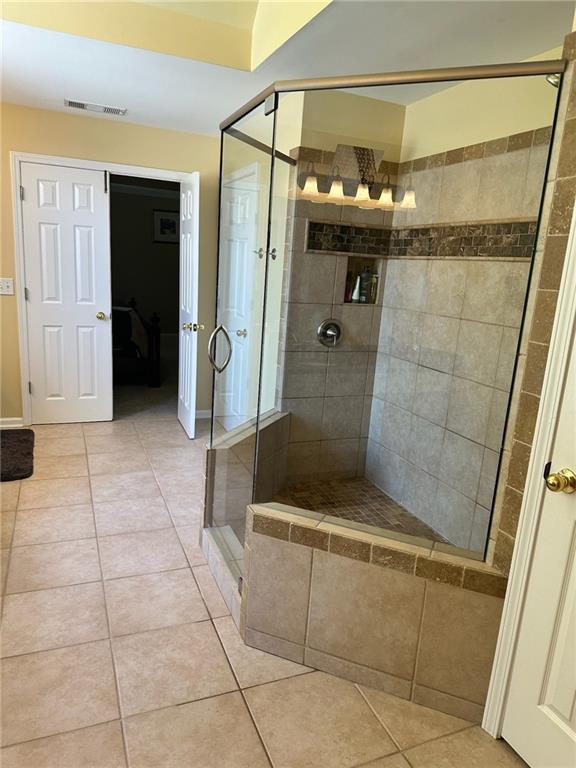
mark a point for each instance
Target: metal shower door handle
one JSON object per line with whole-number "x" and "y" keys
{"x": 212, "y": 349}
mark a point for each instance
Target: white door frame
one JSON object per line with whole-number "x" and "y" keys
{"x": 535, "y": 488}
{"x": 16, "y": 158}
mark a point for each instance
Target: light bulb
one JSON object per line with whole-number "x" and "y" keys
{"x": 386, "y": 200}
{"x": 362, "y": 195}
{"x": 336, "y": 190}
{"x": 409, "y": 200}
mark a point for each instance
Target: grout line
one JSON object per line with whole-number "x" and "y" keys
{"x": 378, "y": 718}
{"x": 419, "y": 643}
{"x": 60, "y": 733}
{"x": 110, "y": 645}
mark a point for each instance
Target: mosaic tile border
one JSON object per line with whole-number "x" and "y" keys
{"x": 505, "y": 239}
{"x": 405, "y": 558}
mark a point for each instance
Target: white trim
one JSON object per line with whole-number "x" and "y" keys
{"x": 534, "y": 491}
{"x": 203, "y": 414}
{"x": 11, "y": 422}
{"x": 16, "y": 159}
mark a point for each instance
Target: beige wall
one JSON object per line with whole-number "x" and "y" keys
{"x": 53, "y": 133}
{"x": 478, "y": 110}
{"x": 337, "y": 117}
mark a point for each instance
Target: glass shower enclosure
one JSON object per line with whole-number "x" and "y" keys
{"x": 376, "y": 238}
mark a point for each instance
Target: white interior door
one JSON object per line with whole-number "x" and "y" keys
{"x": 188, "y": 346}
{"x": 540, "y": 716}
{"x": 236, "y": 398}
{"x": 66, "y": 223}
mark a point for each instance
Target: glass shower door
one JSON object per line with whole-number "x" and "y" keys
{"x": 236, "y": 345}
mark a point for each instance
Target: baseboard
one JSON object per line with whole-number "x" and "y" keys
{"x": 203, "y": 414}
{"x": 11, "y": 422}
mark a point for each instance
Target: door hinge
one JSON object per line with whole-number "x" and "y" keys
{"x": 26, "y": 294}
{"x": 21, "y": 192}
{"x": 105, "y": 182}
{"x": 30, "y": 387}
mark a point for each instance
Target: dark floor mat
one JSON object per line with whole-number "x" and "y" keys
{"x": 16, "y": 454}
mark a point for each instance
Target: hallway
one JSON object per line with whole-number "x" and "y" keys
{"x": 119, "y": 650}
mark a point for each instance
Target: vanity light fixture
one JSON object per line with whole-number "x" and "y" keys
{"x": 363, "y": 194}
{"x": 336, "y": 188}
{"x": 311, "y": 184}
{"x": 409, "y": 199}
{"x": 386, "y": 200}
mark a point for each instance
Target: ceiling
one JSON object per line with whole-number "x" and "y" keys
{"x": 41, "y": 67}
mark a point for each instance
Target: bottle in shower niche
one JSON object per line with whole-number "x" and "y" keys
{"x": 356, "y": 292}
{"x": 349, "y": 287}
{"x": 374, "y": 289}
{"x": 365, "y": 285}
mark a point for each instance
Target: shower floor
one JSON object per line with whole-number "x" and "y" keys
{"x": 358, "y": 500}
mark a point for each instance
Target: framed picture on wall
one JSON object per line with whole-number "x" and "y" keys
{"x": 166, "y": 226}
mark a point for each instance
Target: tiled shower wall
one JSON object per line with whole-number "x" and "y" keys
{"x": 445, "y": 353}
{"x": 326, "y": 391}
{"x": 449, "y": 332}
{"x": 443, "y": 373}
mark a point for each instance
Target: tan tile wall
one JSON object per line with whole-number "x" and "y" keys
{"x": 446, "y": 352}
{"x": 373, "y": 610}
{"x": 555, "y": 223}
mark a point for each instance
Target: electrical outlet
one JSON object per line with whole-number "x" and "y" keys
{"x": 6, "y": 286}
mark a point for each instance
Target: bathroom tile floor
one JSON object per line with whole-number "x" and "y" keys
{"x": 356, "y": 499}
{"x": 118, "y": 649}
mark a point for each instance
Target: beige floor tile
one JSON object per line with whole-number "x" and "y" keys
{"x": 316, "y": 721}
{"x": 47, "y": 524}
{"x": 9, "y": 495}
{"x": 53, "y": 467}
{"x": 60, "y": 446}
{"x": 131, "y": 554}
{"x": 55, "y": 691}
{"x": 188, "y": 458}
{"x": 251, "y": 666}
{"x": 163, "y": 436}
{"x": 180, "y": 481}
{"x": 214, "y": 733}
{"x": 131, "y": 485}
{"x": 99, "y": 746}
{"x": 393, "y": 761}
{"x": 186, "y": 509}
{"x": 118, "y": 462}
{"x": 189, "y": 535}
{"x": 472, "y": 748}
{"x": 54, "y": 493}
{"x": 130, "y": 515}
{"x": 60, "y": 564}
{"x": 112, "y": 443}
{"x": 100, "y": 428}
{"x": 410, "y": 724}
{"x": 53, "y": 618}
{"x": 156, "y": 600}
{"x": 56, "y": 431}
{"x": 7, "y": 520}
{"x": 4, "y": 560}
{"x": 170, "y": 666}
{"x": 210, "y": 592}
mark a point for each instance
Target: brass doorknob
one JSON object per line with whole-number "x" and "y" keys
{"x": 187, "y": 326}
{"x": 562, "y": 482}
{"x": 197, "y": 327}
{"x": 100, "y": 316}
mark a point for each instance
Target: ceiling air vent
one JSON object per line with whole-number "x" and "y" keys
{"x": 88, "y": 107}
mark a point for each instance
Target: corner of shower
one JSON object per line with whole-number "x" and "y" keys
{"x": 372, "y": 284}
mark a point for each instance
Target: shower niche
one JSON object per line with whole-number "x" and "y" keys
{"x": 421, "y": 257}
